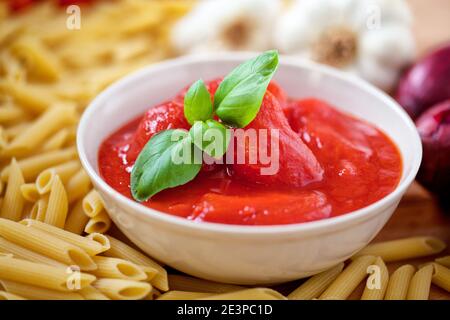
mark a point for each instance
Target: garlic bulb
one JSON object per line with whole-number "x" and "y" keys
{"x": 370, "y": 38}
{"x": 226, "y": 25}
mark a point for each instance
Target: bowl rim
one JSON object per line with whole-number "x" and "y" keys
{"x": 162, "y": 217}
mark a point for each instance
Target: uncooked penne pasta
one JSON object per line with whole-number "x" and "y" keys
{"x": 90, "y": 293}
{"x": 445, "y": 261}
{"x": 153, "y": 295}
{"x": 58, "y": 205}
{"x": 90, "y": 245}
{"x": 349, "y": 279}
{"x": 98, "y": 224}
{"x": 57, "y": 141}
{"x": 150, "y": 272}
{"x": 185, "y": 283}
{"x": 30, "y": 192}
{"x": 47, "y": 124}
{"x": 64, "y": 171}
{"x": 398, "y": 285}
{"x": 441, "y": 277}
{"x": 419, "y": 287}
{"x": 183, "y": 295}
{"x": 6, "y": 255}
{"x": 39, "y": 209}
{"x": 33, "y": 98}
{"x": 10, "y": 114}
{"x": 93, "y": 204}
{"x": 76, "y": 220}
{"x": 248, "y": 294}
{"x": 377, "y": 282}
{"x": 116, "y": 268}
{"x": 23, "y": 253}
{"x": 45, "y": 244}
{"x": 403, "y": 249}
{"x": 120, "y": 289}
{"x": 13, "y": 202}
{"x": 34, "y": 165}
{"x": 78, "y": 186}
{"x": 37, "y": 293}
{"x": 121, "y": 250}
{"x": 13, "y": 131}
{"x": 9, "y": 296}
{"x": 316, "y": 285}
{"x": 40, "y": 275}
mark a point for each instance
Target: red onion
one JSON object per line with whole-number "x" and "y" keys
{"x": 434, "y": 129}
{"x": 426, "y": 83}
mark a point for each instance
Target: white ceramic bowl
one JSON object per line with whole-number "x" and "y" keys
{"x": 245, "y": 254}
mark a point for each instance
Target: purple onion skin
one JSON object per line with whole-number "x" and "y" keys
{"x": 426, "y": 83}
{"x": 434, "y": 129}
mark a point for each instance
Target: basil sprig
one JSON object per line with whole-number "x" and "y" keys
{"x": 174, "y": 157}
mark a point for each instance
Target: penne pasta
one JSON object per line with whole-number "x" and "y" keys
{"x": 377, "y": 282}
{"x": 185, "y": 283}
{"x": 58, "y": 205}
{"x": 10, "y": 114}
{"x": 349, "y": 279}
{"x": 316, "y": 285}
{"x": 14, "y": 130}
{"x": 40, "y": 275}
{"x": 403, "y": 249}
{"x": 57, "y": 141}
{"x": 90, "y": 293}
{"x": 445, "y": 261}
{"x": 116, "y": 268}
{"x": 248, "y": 294}
{"x": 441, "y": 277}
{"x": 78, "y": 186}
{"x": 123, "y": 251}
{"x": 9, "y": 296}
{"x": 34, "y": 165}
{"x": 64, "y": 171}
{"x": 120, "y": 289}
{"x": 398, "y": 285}
{"x": 13, "y": 202}
{"x": 419, "y": 287}
{"x": 39, "y": 209}
{"x": 183, "y": 295}
{"x": 38, "y": 293}
{"x": 98, "y": 224}
{"x": 23, "y": 253}
{"x": 45, "y": 244}
{"x": 76, "y": 220}
{"x": 30, "y": 192}
{"x": 92, "y": 204}
{"x": 90, "y": 245}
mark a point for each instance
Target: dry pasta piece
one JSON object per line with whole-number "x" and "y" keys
{"x": 34, "y": 165}
{"x": 90, "y": 293}
{"x": 66, "y": 170}
{"x": 186, "y": 283}
{"x": 23, "y": 253}
{"x": 403, "y": 249}
{"x": 183, "y": 295}
{"x": 58, "y": 205}
{"x": 349, "y": 279}
{"x": 93, "y": 204}
{"x": 150, "y": 272}
{"x": 78, "y": 186}
{"x": 445, "y": 261}
{"x": 398, "y": 285}
{"x": 40, "y": 275}
{"x": 98, "y": 224}
{"x": 10, "y": 114}
{"x": 30, "y": 192}
{"x": 9, "y": 296}
{"x": 57, "y": 141}
{"x": 419, "y": 287}
{"x": 13, "y": 202}
{"x": 123, "y": 251}
{"x": 37, "y": 293}
{"x": 76, "y": 220}
{"x": 116, "y": 268}
{"x": 316, "y": 285}
{"x": 248, "y": 294}
{"x": 441, "y": 277}
{"x": 39, "y": 209}
{"x": 90, "y": 245}
{"x": 45, "y": 244}
{"x": 48, "y": 123}
{"x": 120, "y": 289}
{"x": 13, "y": 131}
{"x": 153, "y": 295}
{"x": 377, "y": 282}
{"x": 33, "y": 98}
{"x": 6, "y": 255}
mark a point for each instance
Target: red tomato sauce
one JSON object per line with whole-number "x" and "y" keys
{"x": 330, "y": 164}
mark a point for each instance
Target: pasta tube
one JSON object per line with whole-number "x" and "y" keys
{"x": 92, "y": 204}
{"x": 185, "y": 283}
{"x": 64, "y": 171}
{"x": 29, "y": 192}
{"x": 90, "y": 293}
{"x": 377, "y": 282}
{"x": 13, "y": 202}
{"x": 441, "y": 277}
{"x": 98, "y": 224}
{"x": 77, "y": 220}
{"x": 248, "y": 294}
{"x": 419, "y": 287}
{"x": 445, "y": 261}
{"x": 183, "y": 295}
{"x": 9, "y": 296}
{"x": 399, "y": 283}
{"x": 57, "y": 141}
{"x": 120, "y": 289}
{"x": 116, "y": 268}
{"x": 38, "y": 293}
{"x": 78, "y": 186}
{"x": 57, "y": 204}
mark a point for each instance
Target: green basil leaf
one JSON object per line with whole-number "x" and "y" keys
{"x": 169, "y": 159}
{"x": 240, "y": 94}
{"x": 197, "y": 103}
{"x": 211, "y": 136}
